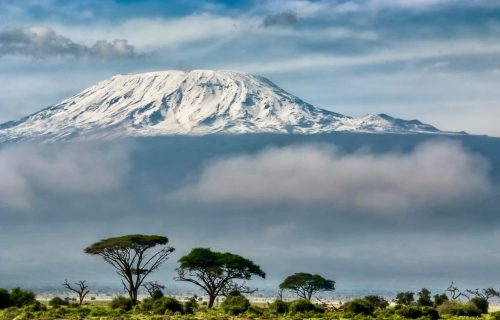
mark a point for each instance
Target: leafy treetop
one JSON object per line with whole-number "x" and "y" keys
{"x": 126, "y": 242}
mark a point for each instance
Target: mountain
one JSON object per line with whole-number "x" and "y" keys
{"x": 197, "y": 102}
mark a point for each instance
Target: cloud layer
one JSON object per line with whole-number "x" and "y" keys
{"x": 434, "y": 174}
{"x": 42, "y": 42}
{"x": 31, "y": 171}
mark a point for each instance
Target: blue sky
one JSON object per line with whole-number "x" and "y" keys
{"x": 434, "y": 60}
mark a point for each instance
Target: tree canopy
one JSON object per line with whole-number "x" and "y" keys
{"x": 216, "y": 271}
{"x": 306, "y": 284}
{"x": 129, "y": 256}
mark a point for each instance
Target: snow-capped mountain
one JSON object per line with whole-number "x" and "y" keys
{"x": 190, "y": 103}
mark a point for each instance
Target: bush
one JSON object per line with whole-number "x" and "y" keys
{"x": 56, "y": 302}
{"x": 278, "y": 307}
{"x": 235, "y": 304}
{"x": 21, "y": 298}
{"x": 359, "y": 306}
{"x": 377, "y": 302}
{"x": 157, "y": 294}
{"x": 439, "y": 299}
{"x": 191, "y": 306}
{"x": 161, "y": 306}
{"x": 121, "y": 302}
{"x": 481, "y": 303}
{"x": 5, "y": 300}
{"x": 459, "y": 309}
{"x": 301, "y": 305}
{"x": 416, "y": 312}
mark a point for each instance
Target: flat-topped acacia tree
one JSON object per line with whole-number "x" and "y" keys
{"x": 216, "y": 271}
{"x": 306, "y": 284}
{"x": 131, "y": 257}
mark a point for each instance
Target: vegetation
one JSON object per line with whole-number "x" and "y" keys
{"x": 305, "y": 284}
{"x": 214, "y": 272}
{"x": 218, "y": 274}
{"x": 129, "y": 256}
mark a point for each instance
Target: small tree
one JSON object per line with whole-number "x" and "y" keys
{"x": 80, "y": 288}
{"x": 455, "y": 293}
{"x": 405, "y": 298}
{"x": 424, "y": 298}
{"x": 306, "y": 284}
{"x": 129, "y": 256}
{"x": 216, "y": 271}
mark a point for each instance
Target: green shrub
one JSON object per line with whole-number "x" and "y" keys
{"x": 481, "y": 303}
{"x": 56, "y": 302}
{"x": 416, "y": 312}
{"x": 5, "y": 300}
{"x": 121, "y": 302}
{"x": 359, "y": 306}
{"x": 235, "y": 304}
{"x": 439, "y": 299}
{"x": 278, "y": 307}
{"x": 161, "y": 306}
{"x": 459, "y": 309}
{"x": 377, "y": 302}
{"x": 157, "y": 294}
{"x": 300, "y": 306}
{"x": 21, "y": 298}
{"x": 191, "y": 306}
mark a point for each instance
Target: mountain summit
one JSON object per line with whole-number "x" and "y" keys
{"x": 197, "y": 102}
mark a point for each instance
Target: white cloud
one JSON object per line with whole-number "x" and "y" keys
{"x": 434, "y": 174}
{"x": 79, "y": 169}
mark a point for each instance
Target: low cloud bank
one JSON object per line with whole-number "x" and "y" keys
{"x": 81, "y": 169}
{"x": 42, "y": 42}
{"x": 437, "y": 173}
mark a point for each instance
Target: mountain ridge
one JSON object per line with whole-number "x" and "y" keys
{"x": 196, "y": 102}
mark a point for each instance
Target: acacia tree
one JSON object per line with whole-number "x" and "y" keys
{"x": 306, "y": 284}
{"x": 81, "y": 289}
{"x": 484, "y": 293}
{"x": 131, "y": 258}
{"x": 214, "y": 272}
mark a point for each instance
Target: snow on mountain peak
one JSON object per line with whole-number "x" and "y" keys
{"x": 197, "y": 102}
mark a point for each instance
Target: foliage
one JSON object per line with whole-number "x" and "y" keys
{"x": 57, "y": 302}
{"x": 235, "y": 304}
{"x": 214, "y": 271}
{"x": 301, "y": 306}
{"x": 481, "y": 303}
{"x": 128, "y": 255}
{"x": 359, "y": 306}
{"x": 121, "y": 302}
{"x": 416, "y": 312}
{"x": 439, "y": 299}
{"x": 405, "y": 298}
{"x": 163, "y": 305}
{"x": 278, "y": 307}
{"x": 191, "y": 306}
{"x": 455, "y": 308}
{"x": 424, "y": 298}
{"x": 5, "y": 300}
{"x": 21, "y": 298}
{"x": 495, "y": 315}
{"x": 377, "y": 302}
{"x": 306, "y": 284}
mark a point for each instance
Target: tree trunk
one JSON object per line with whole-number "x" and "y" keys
{"x": 211, "y": 300}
